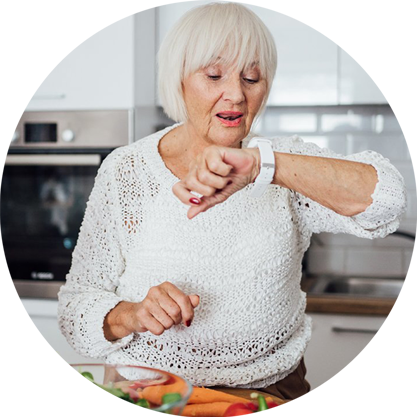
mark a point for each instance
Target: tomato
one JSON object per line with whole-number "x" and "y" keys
{"x": 240, "y": 409}
{"x": 244, "y": 413}
{"x": 272, "y": 404}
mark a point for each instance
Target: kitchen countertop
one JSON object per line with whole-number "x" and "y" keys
{"x": 40, "y": 307}
{"x": 345, "y": 304}
{"x": 316, "y": 303}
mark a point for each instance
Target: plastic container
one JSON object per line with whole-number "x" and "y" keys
{"x": 99, "y": 390}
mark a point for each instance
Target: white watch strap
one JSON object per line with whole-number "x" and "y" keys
{"x": 267, "y": 171}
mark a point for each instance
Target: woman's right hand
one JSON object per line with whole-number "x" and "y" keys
{"x": 163, "y": 307}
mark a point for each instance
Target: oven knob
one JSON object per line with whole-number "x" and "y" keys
{"x": 68, "y": 135}
{"x": 15, "y": 137}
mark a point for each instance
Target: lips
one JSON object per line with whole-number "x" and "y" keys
{"x": 229, "y": 115}
{"x": 230, "y": 118}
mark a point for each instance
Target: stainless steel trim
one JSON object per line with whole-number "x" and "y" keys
{"x": 8, "y": 136}
{"x": 55, "y": 160}
{"x": 38, "y": 289}
{"x": 337, "y": 329}
{"x": 104, "y": 129}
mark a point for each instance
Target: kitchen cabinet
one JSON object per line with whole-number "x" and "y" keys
{"x": 377, "y": 62}
{"x": 30, "y": 45}
{"x": 307, "y": 60}
{"x": 29, "y": 326}
{"x": 362, "y": 365}
{"x": 66, "y": 54}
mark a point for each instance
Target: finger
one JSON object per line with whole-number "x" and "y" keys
{"x": 213, "y": 180}
{"x": 206, "y": 203}
{"x": 183, "y": 301}
{"x": 193, "y": 184}
{"x": 218, "y": 166}
{"x": 197, "y": 209}
{"x": 195, "y": 300}
{"x": 151, "y": 324}
{"x": 171, "y": 308}
{"x": 161, "y": 315}
{"x": 158, "y": 297}
{"x": 186, "y": 195}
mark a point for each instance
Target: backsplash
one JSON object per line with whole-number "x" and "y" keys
{"x": 347, "y": 130}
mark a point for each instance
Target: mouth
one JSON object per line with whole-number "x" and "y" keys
{"x": 230, "y": 118}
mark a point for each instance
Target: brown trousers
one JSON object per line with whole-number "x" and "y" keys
{"x": 292, "y": 386}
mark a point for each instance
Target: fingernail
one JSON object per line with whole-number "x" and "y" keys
{"x": 194, "y": 200}
{"x": 188, "y": 323}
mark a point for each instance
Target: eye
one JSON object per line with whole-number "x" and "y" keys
{"x": 251, "y": 80}
{"x": 214, "y": 77}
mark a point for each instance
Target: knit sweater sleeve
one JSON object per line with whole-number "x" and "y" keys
{"x": 379, "y": 219}
{"x": 97, "y": 263}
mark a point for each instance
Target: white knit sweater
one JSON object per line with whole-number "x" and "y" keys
{"x": 242, "y": 257}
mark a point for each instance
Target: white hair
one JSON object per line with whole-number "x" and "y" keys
{"x": 200, "y": 37}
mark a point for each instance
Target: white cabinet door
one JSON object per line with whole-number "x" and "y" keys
{"x": 378, "y": 63}
{"x": 307, "y": 60}
{"x": 361, "y": 366}
{"x": 67, "y": 54}
{"x": 30, "y": 49}
{"x": 387, "y": 368}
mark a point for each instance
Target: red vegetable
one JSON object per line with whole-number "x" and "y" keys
{"x": 272, "y": 404}
{"x": 244, "y": 413}
{"x": 240, "y": 409}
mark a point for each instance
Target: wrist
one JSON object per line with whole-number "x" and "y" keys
{"x": 115, "y": 325}
{"x": 283, "y": 175}
{"x": 265, "y": 166}
{"x": 256, "y": 165}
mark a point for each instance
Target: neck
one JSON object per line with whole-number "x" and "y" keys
{"x": 193, "y": 143}
{"x": 182, "y": 145}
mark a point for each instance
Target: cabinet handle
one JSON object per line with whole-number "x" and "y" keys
{"x": 19, "y": 316}
{"x": 54, "y": 160}
{"x": 375, "y": 332}
{"x": 35, "y": 96}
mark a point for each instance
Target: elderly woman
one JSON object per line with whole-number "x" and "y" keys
{"x": 189, "y": 255}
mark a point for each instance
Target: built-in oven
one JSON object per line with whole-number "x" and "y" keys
{"x": 48, "y": 176}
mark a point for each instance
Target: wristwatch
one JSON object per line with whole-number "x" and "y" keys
{"x": 267, "y": 171}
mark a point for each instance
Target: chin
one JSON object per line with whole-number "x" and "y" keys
{"x": 228, "y": 139}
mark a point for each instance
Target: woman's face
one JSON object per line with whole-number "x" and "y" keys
{"x": 222, "y": 103}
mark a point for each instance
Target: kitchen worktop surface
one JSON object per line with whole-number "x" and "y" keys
{"x": 316, "y": 303}
{"x": 345, "y": 304}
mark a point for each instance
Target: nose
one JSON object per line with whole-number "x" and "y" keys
{"x": 233, "y": 90}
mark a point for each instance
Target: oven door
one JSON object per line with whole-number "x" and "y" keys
{"x": 43, "y": 198}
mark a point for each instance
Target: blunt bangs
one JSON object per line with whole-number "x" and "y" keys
{"x": 226, "y": 33}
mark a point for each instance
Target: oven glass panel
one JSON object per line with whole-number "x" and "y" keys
{"x": 42, "y": 208}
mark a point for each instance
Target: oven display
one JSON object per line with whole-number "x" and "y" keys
{"x": 40, "y": 132}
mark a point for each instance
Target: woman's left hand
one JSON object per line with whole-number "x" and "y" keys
{"x": 216, "y": 174}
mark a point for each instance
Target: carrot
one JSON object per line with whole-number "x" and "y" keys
{"x": 201, "y": 395}
{"x": 155, "y": 393}
{"x": 216, "y": 409}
